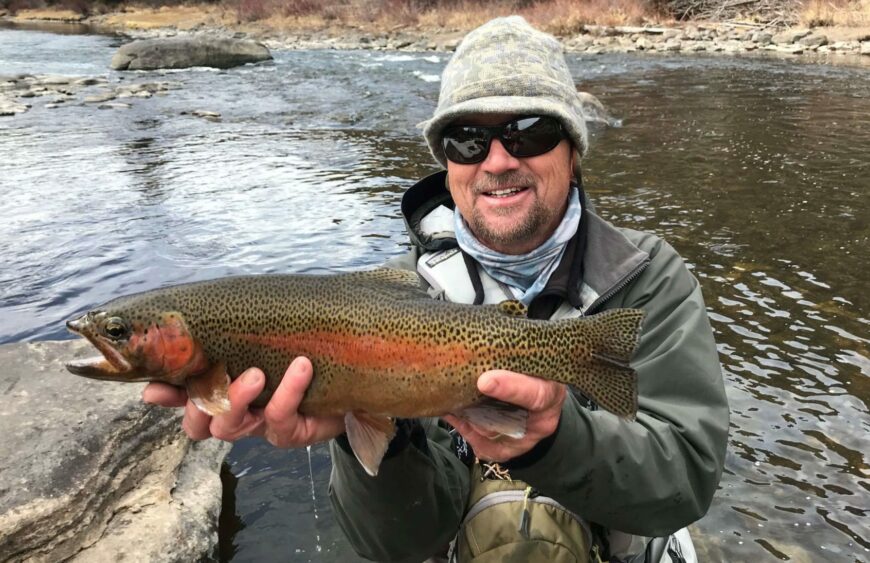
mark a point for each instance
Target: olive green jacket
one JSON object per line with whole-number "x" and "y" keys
{"x": 649, "y": 477}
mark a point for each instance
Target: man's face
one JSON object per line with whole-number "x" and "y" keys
{"x": 512, "y": 205}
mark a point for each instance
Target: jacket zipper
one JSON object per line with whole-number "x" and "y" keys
{"x": 617, "y": 288}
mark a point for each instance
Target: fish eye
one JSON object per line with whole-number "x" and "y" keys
{"x": 115, "y": 328}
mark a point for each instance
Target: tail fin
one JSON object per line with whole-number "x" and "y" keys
{"x": 604, "y": 349}
{"x": 615, "y": 334}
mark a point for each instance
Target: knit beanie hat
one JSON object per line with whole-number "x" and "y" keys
{"x": 507, "y": 66}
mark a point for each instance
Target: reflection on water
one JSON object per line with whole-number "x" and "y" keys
{"x": 756, "y": 171}
{"x": 758, "y": 176}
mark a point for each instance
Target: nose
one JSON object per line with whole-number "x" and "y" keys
{"x": 78, "y": 324}
{"x": 499, "y": 161}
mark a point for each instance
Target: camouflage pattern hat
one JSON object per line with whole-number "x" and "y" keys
{"x": 507, "y": 66}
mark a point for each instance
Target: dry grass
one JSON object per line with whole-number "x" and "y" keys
{"x": 49, "y": 14}
{"x": 558, "y": 16}
{"x": 180, "y": 17}
{"x": 848, "y": 13}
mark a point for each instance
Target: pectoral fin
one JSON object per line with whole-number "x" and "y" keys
{"x": 209, "y": 391}
{"x": 369, "y": 435}
{"x": 491, "y": 415}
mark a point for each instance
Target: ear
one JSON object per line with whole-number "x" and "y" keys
{"x": 575, "y": 165}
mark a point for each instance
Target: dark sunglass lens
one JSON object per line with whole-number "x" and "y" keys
{"x": 465, "y": 145}
{"x": 532, "y": 136}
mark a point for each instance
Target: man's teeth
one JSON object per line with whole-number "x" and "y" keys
{"x": 504, "y": 193}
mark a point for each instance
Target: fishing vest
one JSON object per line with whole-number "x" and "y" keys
{"x": 507, "y": 520}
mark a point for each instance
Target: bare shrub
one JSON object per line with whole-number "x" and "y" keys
{"x": 14, "y": 6}
{"x": 253, "y": 10}
{"x": 295, "y": 8}
{"x": 83, "y": 7}
{"x": 566, "y": 16}
{"x": 816, "y": 13}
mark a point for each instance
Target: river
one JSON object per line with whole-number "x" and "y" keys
{"x": 756, "y": 170}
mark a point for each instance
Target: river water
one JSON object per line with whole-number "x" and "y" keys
{"x": 756, "y": 170}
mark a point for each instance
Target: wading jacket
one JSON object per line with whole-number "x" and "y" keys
{"x": 649, "y": 477}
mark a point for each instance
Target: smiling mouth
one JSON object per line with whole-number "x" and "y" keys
{"x": 506, "y": 192}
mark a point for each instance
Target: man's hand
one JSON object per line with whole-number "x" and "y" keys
{"x": 543, "y": 399}
{"x": 279, "y": 422}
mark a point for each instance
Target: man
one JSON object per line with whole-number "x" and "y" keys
{"x": 509, "y": 220}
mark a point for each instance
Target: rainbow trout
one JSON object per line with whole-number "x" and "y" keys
{"x": 381, "y": 347}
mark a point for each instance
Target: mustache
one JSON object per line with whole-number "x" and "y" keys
{"x": 491, "y": 182}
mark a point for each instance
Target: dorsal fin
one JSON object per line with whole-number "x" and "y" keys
{"x": 513, "y": 308}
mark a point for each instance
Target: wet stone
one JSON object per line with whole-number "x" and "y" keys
{"x": 791, "y": 36}
{"x": 99, "y": 98}
{"x": 114, "y": 105}
{"x": 813, "y": 40}
{"x": 89, "y": 81}
{"x": 88, "y": 472}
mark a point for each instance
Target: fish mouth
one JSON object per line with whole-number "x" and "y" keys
{"x": 111, "y": 366}
{"x": 98, "y": 367}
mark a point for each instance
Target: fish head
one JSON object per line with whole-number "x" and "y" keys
{"x": 137, "y": 346}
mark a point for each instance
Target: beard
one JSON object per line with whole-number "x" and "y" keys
{"x": 523, "y": 227}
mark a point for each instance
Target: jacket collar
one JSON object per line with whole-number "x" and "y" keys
{"x": 607, "y": 259}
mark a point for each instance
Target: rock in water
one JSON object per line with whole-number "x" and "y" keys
{"x": 595, "y": 112}
{"x": 89, "y": 473}
{"x": 185, "y": 52}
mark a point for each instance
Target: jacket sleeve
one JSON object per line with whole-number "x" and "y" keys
{"x": 656, "y": 474}
{"x": 414, "y": 506}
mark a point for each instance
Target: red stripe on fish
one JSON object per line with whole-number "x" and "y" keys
{"x": 366, "y": 351}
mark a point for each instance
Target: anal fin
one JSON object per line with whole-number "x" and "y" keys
{"x": 369, "y": 436}
{"x": 496, "y": 416}
{"x": 209, "y": 391}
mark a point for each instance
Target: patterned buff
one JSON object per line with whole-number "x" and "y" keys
{"x": 525, "y": 274}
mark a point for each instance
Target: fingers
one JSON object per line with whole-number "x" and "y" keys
{"x": 196, "y": 423}
{"x": 280, "y": 422}
{"x": 240, "y": 421}
{"x": 543, "y": 399}
{"x": 492, "y": 448}
{"x": 285, "y": 427}
{"x": 531, "y": 393}
{"x": 290, "y": 391}
{"x": 164, "y": 395}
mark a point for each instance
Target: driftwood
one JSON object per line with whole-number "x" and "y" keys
{"x": 765, "y": 12}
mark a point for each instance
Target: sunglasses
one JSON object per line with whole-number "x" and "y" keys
{"x": 522, "y": 137}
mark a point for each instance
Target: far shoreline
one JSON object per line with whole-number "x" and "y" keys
{"x": 825, "y": 45}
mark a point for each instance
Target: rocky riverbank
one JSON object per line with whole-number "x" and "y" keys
{"x": 827, "y": 44}
{"x": 595, "y": 39}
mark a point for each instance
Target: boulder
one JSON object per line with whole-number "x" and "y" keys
{"x": 673, "y": 45}
{"x": 813, "y": 40}
{"x": 762, "y": 37}
{"x": 594, "y": 111}
{"x": 790, "y": 36}
{"x": 185, "y": 52}
{"x": 865, "y": 48}
{"x": 88, "y": 472}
